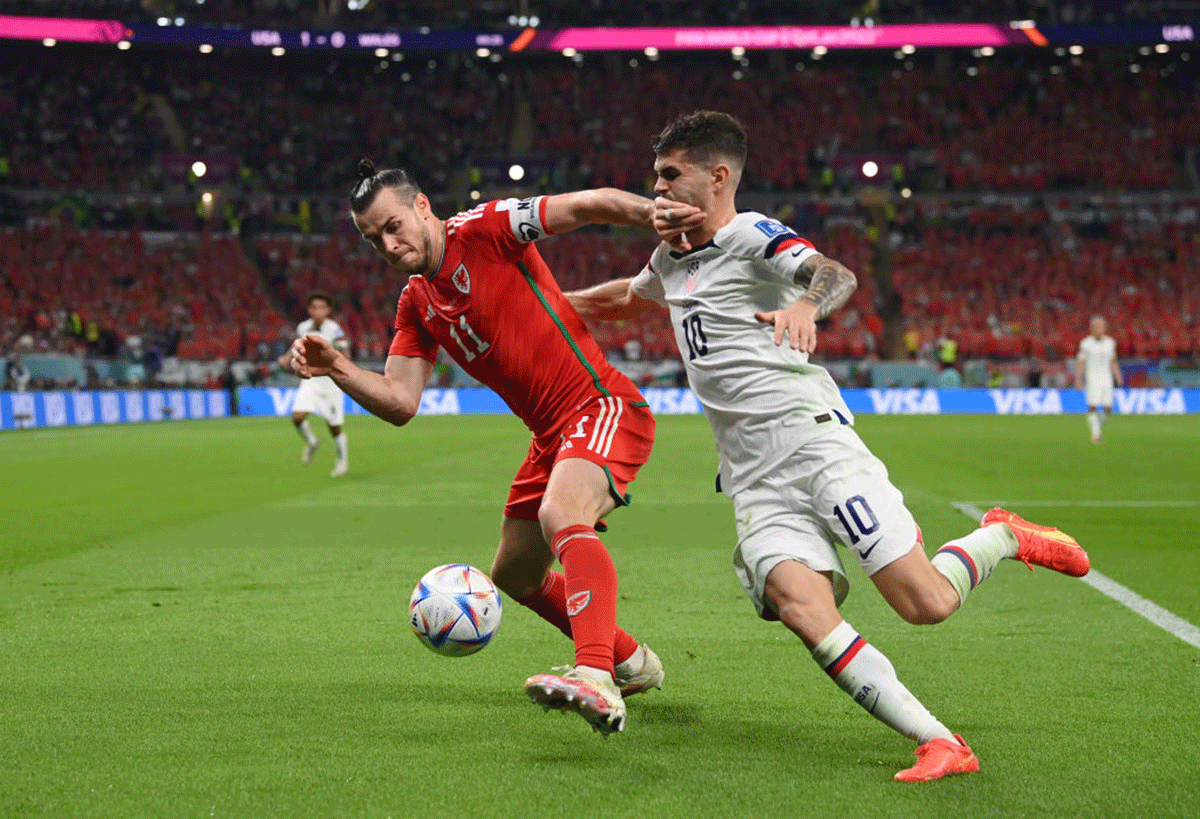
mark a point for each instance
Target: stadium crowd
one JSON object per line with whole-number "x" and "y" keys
{"x": 296, "y": 125}
{"x": 1007, "y": 280}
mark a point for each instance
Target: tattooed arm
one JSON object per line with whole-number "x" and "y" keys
{"x": 830, "y": 284}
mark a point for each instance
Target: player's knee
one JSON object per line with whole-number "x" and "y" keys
{"x": 554, "y": 517}
{"x": 929, "y": 607}
{"x": 511, "y": 579}
{"x": 808, "y": 620}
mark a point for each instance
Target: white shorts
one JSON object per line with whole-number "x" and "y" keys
{"x": 1099, "y": 393}
{"x": 322, "y": 396}
{"x": 832, "y": 490}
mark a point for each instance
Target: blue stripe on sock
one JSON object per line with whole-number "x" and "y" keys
{"x": 966, "y": 561}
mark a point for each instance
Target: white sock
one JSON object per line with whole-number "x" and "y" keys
{"x": 1094, "y": 423}
{"x": 634, "y": 662}
{"x": 865, "y": 674}
{"x": 969, "y": 560}
{"x": 597, "y": 674}
{"x": 342, "y": 445}
{"x": 306, "y": 433}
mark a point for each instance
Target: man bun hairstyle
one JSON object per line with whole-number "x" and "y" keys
{"x": 314, "y": 295}
{"x": 371, "y": 182}
{"x": 706, "y": 138}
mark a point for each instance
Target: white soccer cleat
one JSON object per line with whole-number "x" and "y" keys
{"x": 340, "y": 469}
{"x": 649, "y": 674}
{"x": 307, "y": 456}
{"x": 595, "y": 698}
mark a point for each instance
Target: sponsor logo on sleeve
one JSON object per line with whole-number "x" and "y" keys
{"x": 770, "y": 228}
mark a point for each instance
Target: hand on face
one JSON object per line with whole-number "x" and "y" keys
{"x": 672, "y": 220}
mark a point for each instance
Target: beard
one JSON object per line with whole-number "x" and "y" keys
{"x": 424, "y": 256}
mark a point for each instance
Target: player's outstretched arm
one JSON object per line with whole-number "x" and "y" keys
{"x": 568, "y": 211}
{"x": 610, "y": 301}
{"x": 830, "y": 285}
{"x": 393, "y": 396}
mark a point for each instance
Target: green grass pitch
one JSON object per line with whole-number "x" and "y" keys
{"x": 191, "y": 624}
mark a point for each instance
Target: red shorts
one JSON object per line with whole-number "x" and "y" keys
{"x": 609, "y": 431}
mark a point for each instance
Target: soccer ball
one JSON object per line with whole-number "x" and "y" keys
{"x": 454, "y": 610}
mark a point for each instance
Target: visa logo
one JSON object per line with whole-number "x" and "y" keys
{"x": 1027, "y": 402}
{"x": 905, "y": 402}
{"x": 1149, "y": 402}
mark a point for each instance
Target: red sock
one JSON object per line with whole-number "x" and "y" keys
{"x": 591, "y": 587}
{"x": 550, "y": 603}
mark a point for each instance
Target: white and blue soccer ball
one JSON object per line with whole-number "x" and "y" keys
{"x": 454, "y": 610}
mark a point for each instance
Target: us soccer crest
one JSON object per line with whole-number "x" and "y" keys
{"x": 462, "y": 279}
{"x": 693, "y": 272}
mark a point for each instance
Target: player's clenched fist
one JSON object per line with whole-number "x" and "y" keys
{"x": 313, "y": 355}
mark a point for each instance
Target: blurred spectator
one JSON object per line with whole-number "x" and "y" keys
{"x": 16, "y": 374}
{"x": 949, "y": 378}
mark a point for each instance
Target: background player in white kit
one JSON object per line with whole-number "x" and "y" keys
{"x": 1097, "y": 370}
{"x": 801, "y": 479}
{"x": 319, "y": 394}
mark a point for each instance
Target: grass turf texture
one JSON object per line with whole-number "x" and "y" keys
{"x": 192, "y": 624}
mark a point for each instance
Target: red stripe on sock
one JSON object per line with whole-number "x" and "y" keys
{"x": 967, "y": 561}
{"x": 838, "y": 665}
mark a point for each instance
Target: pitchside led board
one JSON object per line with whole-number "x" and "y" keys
{"x": 39, "y": 410}
{"x": 59, "y": 409}
{"x": 278, "y": 401}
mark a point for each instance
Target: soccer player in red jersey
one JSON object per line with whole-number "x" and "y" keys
{"x": 478, "y": 288}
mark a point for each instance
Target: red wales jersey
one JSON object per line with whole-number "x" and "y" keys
{"x": 497, "y": 310}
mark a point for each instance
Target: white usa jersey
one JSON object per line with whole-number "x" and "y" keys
{"x": 330, "y": 329}
{"x": 1097, "y": 355}
{"x": 762, "y": 400}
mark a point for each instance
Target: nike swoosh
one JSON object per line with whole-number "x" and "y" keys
{"x": 796, "y": 253}
{"x": 864, "y": 554}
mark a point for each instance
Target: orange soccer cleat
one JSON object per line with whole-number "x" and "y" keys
{"x": 1042, "y": 545}
{"x": 938, "y": 758}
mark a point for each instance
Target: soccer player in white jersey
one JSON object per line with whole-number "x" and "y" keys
{"x": 1097, "y": 370}
{"x": 320, "y": 394}
{"x": 801, "y": 479}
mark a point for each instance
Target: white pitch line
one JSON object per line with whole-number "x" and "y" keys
{"x": 1156, "y": 614}
{"x": 1103, "y": 504}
